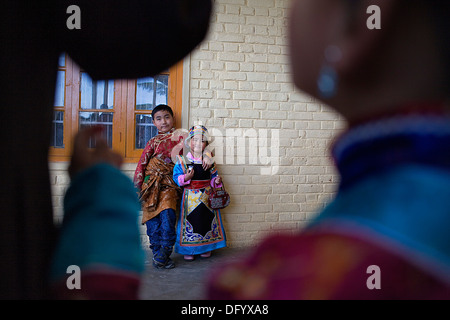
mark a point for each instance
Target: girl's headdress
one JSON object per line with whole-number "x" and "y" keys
{"x": 197, "y": 129}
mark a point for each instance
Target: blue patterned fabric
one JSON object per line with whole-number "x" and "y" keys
{"x": 382, "y": 145}
{"x": 396, "y": 185}
{"x": 162, "y": 235}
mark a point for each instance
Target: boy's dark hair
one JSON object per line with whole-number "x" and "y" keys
{"x": 161, "y": 107}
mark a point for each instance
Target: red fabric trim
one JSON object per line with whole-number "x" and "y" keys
{"x": 198, "y": 184}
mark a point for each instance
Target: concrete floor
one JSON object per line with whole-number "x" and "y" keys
{"x": 187, "y": 280}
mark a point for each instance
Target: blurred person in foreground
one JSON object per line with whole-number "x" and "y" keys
{"x": 386, "y": 233}
{"x": 99, "y": 253}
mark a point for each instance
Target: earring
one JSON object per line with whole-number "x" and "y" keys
{"x": 327, "y": 82}
{"x": 328, "y": 77}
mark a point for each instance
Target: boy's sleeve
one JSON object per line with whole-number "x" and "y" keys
{"x": 100, "y": 236}
{"x": 139, "y": 173}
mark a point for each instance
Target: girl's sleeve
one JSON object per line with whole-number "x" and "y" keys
{"x": 178, "y": 175}
{"x": 214, "y": 174}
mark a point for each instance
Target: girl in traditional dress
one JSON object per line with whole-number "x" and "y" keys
{"x": 199, "y": 228}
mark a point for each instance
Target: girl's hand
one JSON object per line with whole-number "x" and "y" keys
{"x": 189, "y": 175}
{"x": 218, "y": 180}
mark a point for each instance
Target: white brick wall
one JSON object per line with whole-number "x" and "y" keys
{"x": 239, "y": 85}
{"x": 239, "y": 79}
{"x": 59, "y": 181}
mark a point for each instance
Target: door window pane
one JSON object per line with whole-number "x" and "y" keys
{"x": 104, "y": 119}
{"x": 96, "y": 94}
{"x": 59, "y": 89}
{"x": 145, "y": 130}
{"x": 57, "y": 138}
{"x": 151, "y": 91}
{"x": 62, "y": 60}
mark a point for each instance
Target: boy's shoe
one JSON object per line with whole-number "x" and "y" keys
{"x": 157, "y": 264}
{"x": 161, "y": 260}
{"x": 206, "y": 254}
{"x": 169, "y": 264}
{"x": 188, "y": 257}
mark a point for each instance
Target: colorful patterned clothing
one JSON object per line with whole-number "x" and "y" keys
{"x": 199, "y": 228}
{"x": 153, "y": 175}
{"x": 158, "y": 192}
{"x": 385, "y": 235}
{"x": 165, "y": 145}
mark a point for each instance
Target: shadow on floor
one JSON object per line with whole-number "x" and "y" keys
{"x": 187, "y": 280}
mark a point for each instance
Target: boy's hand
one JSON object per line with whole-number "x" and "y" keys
{"x": 206, "y": 162}
{"x": 189, "y": 174}
{"x": 84, "y": 157}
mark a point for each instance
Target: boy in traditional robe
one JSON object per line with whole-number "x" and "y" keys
{"x": 158, "y": 193}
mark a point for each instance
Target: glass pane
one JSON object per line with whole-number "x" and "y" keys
{"x": 62, "y": 60}
{"x": 59, "y": 90}
{"x": 151, "y": 91}
{"x": 145, "y": 130}
{"x": 104, "y": 119}
{"x": 96, "y": 94}
{"x": 144, "y": 94}
{"x": 57, "y": 138}
{"x": 162, "y": 89}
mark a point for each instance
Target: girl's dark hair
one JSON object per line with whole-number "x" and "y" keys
{"x": 161, "y": 107}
